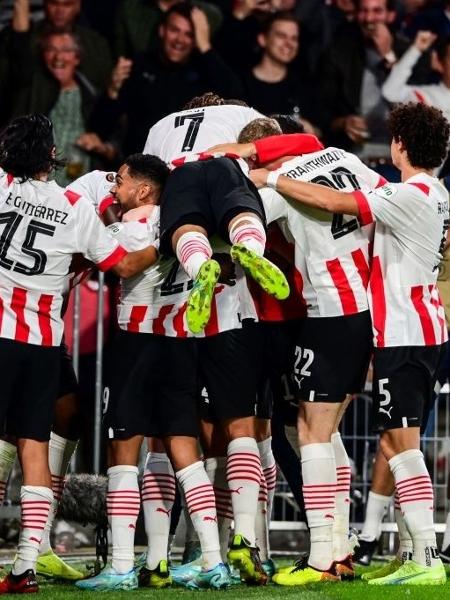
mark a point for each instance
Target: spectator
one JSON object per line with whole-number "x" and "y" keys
{"x": 436, "y": 18}
{"x": 60, "y": 15}
{"x": 56, "y": 88}
{"x": 396, "y": 88}
{"x": 352, "y": 73}
{"x": 137, "y": 22}
{"x": 162, "y": 82}
{"x": 272, "y": 86}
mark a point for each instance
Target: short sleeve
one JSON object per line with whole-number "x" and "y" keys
{"x": 394, "y": 205}
{"x": 96, "y": 187}
{"x": 93, "y": 240}
{"x": 275, "y": 206}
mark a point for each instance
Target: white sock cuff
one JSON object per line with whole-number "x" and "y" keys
{"x": 38, "y": 490}
{"x": 335, "y": 437}
{"x": 157, "y": 458}
{"x": 122, "y": 469}
{"x": 254, "y": 220}
{"x": 248, "y": 443}
{"x": 402, "y": 457}
{"x": 190, "y": 236}
{"x": 316, "y": 451}
{"x": 189, "y": 469}
{"x": 265, "y": 452}
{"x": 58, "y": 442}
{"x": 380, "y": 497}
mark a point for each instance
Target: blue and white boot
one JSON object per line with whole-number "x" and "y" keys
{"x": 217, "y": 578}
{"x": 109, "y": 579}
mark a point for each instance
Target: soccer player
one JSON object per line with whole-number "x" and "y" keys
{"x": 217, "y": 199}
{"x": 332, "y": 349}
{"x": 43, "y": 228}
{"x": 408, "y": 318}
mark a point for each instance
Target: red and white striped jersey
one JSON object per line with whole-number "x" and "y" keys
{"x": 197, "y": 129}
{"x": 43, "y": 226}
{"x": 332, "y": 252}
{"x": 95, "y": 187}
{"x": 155, "y": 301}
{"x": 411, "y": 223}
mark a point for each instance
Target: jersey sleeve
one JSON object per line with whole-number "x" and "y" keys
{"x": 92, "y": 238}
{"x": 275, "y": 206}
{"x": 276, "y": 146}
{"x": 394, "y": 205}
{"x": 96, "y": 187}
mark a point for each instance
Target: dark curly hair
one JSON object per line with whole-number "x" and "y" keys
{"x": 423, "y": 131}
{"x": 27, "y": 147}
{"x": 149, "y": 167}
{"x": 207, "y": 99}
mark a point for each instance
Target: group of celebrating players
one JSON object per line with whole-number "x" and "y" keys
{"x": 257, "y": 267}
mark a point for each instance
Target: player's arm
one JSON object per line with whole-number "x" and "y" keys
{"x": 309, "y": 194}
{"x": 134, "y": 263}
{"x": 273, "y": 147}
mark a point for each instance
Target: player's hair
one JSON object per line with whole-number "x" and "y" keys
{"x": 235, "y": 102}
{"x": 183, "y": 9}
{"x": 27, "y": 147}
{"x": 267, "y": 23}
{"x": 288, "y": 124}
{"x": 441, "y": 46}
{"x": 207, "y": 99}
{"x": 258, "y": 129}
{"x": 423, "y": 131}
{"x": 148, "y": 167}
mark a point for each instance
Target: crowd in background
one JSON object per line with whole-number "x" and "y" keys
{"x": 106, "y": 71}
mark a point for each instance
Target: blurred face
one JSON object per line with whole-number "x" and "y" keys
{"x": 372, "y": 12}
{"x": 61, "y": 57}
{"x": 177, "y": 37}
{"x": 62, "y": 13}
{"x": 281, "y": 42}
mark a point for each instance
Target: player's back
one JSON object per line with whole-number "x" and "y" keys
{"x": 197, "y": 129}
{"x": 332, "y": 251}
{"x": 42, "y": 227}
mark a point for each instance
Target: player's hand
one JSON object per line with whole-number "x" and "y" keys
{"x": 201, "y": 30}
{"x": 244, "y": 8}
{"x": 242, "y": 150}
{"x": 259, "y": 177}
{"x": 119, "y": 75}
{"x": 424, "y": 39}
{"x": 356, "y": 128}
{"x": 227, "y": 268}
{"x": 382, "y": 38}
{"x": 136, "y": 214}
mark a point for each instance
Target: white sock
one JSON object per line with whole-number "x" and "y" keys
{"x": 415, "y": 493}
{"x": 376, "y": 509}
{"x": 8, "y": 453}
{"x": 123, "y": 504}
{"x": 216, "y": 469}
{"x": 341, "y": 523}
{"x": 158, "y": 496}
{"x": 405, "y": 543}
{"x": 269, "y": 467}
{"x": 446, "y": 538}
{"x": 193, "y": 250}
{"x": 35, "y": 502}
{"x": 319, "y": 485}
{"x": 244, "y": 478}
{"x": 200, "y": 500}
{"x": 60, "y": 451}
{"x": 261, "y": 523}
{"x": 249, "y": 231}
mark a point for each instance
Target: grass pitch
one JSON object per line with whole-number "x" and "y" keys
{"x": 356, "y": 590}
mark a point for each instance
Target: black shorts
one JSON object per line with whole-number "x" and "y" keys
{"x": 30, "y": 381}
{"x": 230, "y": 365}
{"x": 278, "y": 386}
{"x": 403, "y": 385}
{"x": 68, "y": 383}
{"x": 332, "y": 355}
{"x": 207, "y": 193}
{"x": 152, "y": 386}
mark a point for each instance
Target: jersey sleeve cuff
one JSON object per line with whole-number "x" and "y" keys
{"x": 105, "y": 203}
{"x": 365, "y": 213}
{"x": 382, "y": 181}
{"x": 112, "y": 260}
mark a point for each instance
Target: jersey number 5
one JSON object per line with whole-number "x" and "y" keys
{"x": 12, "y": 220}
